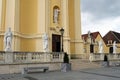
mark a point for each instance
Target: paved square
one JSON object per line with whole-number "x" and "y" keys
{"x": 104, "y": 73}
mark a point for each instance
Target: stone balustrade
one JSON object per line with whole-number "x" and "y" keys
{"x": 100, "y": 56}
{"x": 30, "y": 57}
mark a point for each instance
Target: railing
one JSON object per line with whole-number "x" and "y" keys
{"x": 100, "y": 56}
{"x": 30, "y": 57}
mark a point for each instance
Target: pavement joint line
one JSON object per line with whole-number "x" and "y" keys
{"x": 115, "y": 68}
{"x": 30, "y": 78}
{"x": 100, "y": 74}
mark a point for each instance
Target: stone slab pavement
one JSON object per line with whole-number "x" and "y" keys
{"x": 103, "y": 73}
{"x": 12, "y": 77}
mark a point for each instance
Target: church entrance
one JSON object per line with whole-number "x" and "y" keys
{"x": 56, "y": 43}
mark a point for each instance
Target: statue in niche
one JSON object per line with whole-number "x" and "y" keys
{"x": 45, "y": 42}
{"x": 56, "y": 15}
{"x": 114, "y": 47}
{"x": 8, "y": 40}
{"x": 100, "y": 46}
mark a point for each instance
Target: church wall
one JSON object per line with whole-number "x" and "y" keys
{"x": 28, "y": 44}
{"x": 28, "y": 24}
{"x": 28, "y": 16}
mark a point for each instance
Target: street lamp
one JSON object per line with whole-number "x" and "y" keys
{"x": 62, "y": 32}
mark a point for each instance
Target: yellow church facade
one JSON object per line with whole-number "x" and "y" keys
{"x": 30, "y": 19}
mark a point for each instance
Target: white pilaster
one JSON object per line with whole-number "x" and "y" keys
{"x": 12, "y": 20}
{"x": 77, "y": 19}
{"x": 65, "y": 25}
{"x": 78, "y": 40}
{"x": 43, "y": 18}
{"x": 17, "y": 15}
{"x": 0, "y": 14}
{"x": 17, "y": 25}
{"x": 65, "y": 17}
{"x": 10, "y": 14}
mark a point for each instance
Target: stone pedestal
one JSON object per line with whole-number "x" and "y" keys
{"x": 66, "y": 67}
{"x": 29, "y": 58}
{"x": 8, "y": 57}
{"x": 105, "y": 64}
{"x": 102, "y": 56}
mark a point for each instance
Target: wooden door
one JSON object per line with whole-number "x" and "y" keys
{"x": 56, "y": 43}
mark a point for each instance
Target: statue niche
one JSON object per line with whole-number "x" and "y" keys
{"x": 56, "y": 12}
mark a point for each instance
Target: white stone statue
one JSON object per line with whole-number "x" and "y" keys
{"x": 56, "y": 15}
{"x": 89, "y": 36}
{"x": 114, "y": 47}
{"x": 8, "y": 40}
{"x": 100, "y": 46}
{"x": 45, "y": 42}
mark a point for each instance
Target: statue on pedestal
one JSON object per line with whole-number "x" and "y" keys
{"x": 100, "y": 46}
{"x": 114, "y": 47}
{"x": 8, "y": 40}
{"x": 45, "y": 42}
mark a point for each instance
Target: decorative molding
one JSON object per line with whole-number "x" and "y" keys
{"x": 22, "y": 35}
{"x": 76, "y": 41}
{"x": 66, "y": 38}
{"x": 52, "y": 28}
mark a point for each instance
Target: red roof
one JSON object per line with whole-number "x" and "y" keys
{"x": 113, "y": 36}
{"x": 93, "y": 34}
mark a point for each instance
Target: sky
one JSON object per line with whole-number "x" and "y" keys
{"x": 100, "y": 15}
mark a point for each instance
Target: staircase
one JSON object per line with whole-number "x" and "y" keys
{"x": 78, "y": 64}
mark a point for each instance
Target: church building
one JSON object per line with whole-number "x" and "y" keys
{"x": 29, "y": 20}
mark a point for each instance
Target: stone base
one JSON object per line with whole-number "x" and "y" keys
{"x": 8, "y": 50}
{"x": 66, "y": 67}
{"x": 8, "y": 57}
{"x": 105, "y": 64}
{"x": 18, "y": 67}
